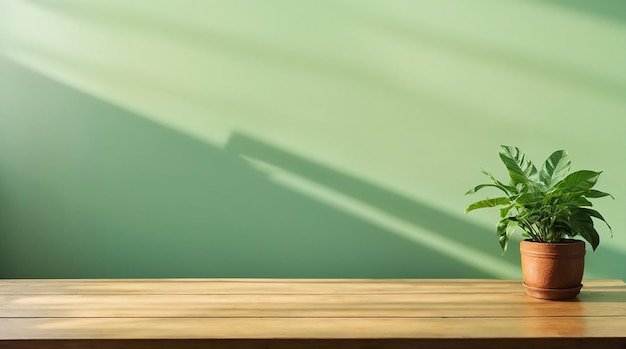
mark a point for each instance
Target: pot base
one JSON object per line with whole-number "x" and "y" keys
{"x": 552, "y": 293}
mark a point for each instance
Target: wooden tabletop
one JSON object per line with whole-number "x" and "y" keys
{"x": 305, "y": 313}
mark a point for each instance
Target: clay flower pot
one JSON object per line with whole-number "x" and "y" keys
{"x": 553, "y": 270}
{"x": 550, "y": 205}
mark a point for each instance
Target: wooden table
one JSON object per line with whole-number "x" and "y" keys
{"x": 303, "y": 313}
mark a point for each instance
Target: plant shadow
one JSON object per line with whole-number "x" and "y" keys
{"x": 92, "y": 190}
{"x": 394, "y": 204}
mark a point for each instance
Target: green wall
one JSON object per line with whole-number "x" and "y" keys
{"x": 294, "y": 139}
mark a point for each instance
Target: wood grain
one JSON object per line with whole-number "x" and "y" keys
{"x": 274, "y": 313}
{"x": 273, "y": 286}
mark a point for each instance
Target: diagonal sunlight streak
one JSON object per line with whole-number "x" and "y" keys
{"x": 613, "y": 10}
{"x": 137, "y": 91}
{"x": 591, "y": 82}
{"x": 193, "y": 117}
{"x": 200, "y": 121}
{"x": 496, "y": 267}
{"x": 393, "y": 97}
{"x": 206, "y": 111}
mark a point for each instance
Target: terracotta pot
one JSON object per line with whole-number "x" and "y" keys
{"x": 553, "y": 270}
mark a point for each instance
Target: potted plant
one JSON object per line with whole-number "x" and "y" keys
{"x": 552, "y": 207}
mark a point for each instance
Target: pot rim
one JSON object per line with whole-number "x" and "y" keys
{"x": 562, "y": 242}
{"x": 570, "y": 248}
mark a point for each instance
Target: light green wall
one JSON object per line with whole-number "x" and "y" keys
{"x": 294, "y": 138}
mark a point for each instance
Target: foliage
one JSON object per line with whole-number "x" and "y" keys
{"x": 549, "y": 204}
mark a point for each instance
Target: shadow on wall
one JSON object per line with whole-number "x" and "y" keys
{"x": 410, "y": 210}
{"x": 498, "y": 57}
{"x": 419, "y": 214}
{"x": 614, "y": 10}
{"x": 91, "y": 190}
{"x": 88, "y": 189}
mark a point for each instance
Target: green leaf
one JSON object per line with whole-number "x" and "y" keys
{"x": 506, "y": 211}
{"x": 563, "y": 225}
{"x": 521, "y": 170}
{"x": 509, "y": 190}
{"x": 480, "y": 186}
{"x": 594, "y": 213}
{"x": 579, "y": 181}
{"x": 488, "y": 203}
{"x": 578, "y": 201}
{"x": 530, "y": 198}
{"x": 581, "y": 223}
{"x": 597, "y": 194}
{"x": 506, "y": 228}
{"x": 555, "y": 168}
